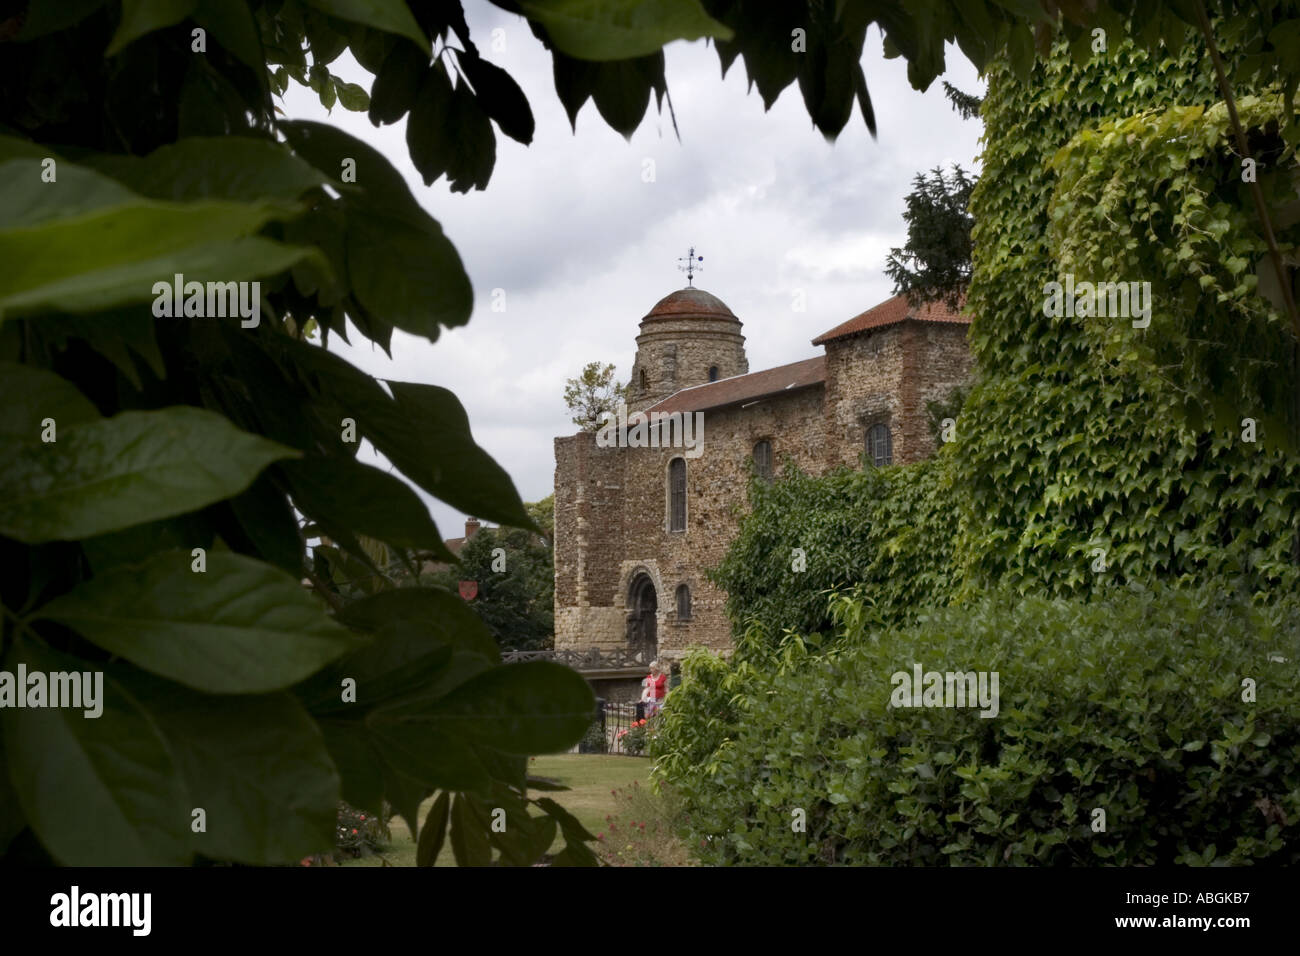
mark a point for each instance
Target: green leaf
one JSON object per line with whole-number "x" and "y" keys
{"x": 469, "y": 833}
{"x": 427, "y": 127}
{"x": 454, "y": 623}
{"x": 435, "y": 758}
{"x": 390, "y": 16}
{"x": 621, "y": 29}
{"x": 353, "y": 97}
{"x": 472, "y": 149}
{"x": 238, "y": 168}
{"x": 134, "y": 467}
{"x": 397, "y": 83}
{"x": 85, "y": 243}
{"x": 256, "y": 764}
{"x": 114, "y": 334}
{"x": 233, "y": 26}
{"x": 29, "y": 395}
{"x": 241, "y": 627}
{"x": 434, "y": 831}
{"x": 267, "y": 520}
{"x": 622, "y": 90}
{"x": 145, "y": 16}
{"x": 365, "y": 501}
{"x": 100, "y": 791}
{"x": 528, "y": 708}
{"x": 442, "y": 457}
{"x": 410, "y": 276}
{"x": 500, "y": 97}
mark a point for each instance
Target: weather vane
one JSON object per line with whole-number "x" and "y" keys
{"x": 691, "y": 268}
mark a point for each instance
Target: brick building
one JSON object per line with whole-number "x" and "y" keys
{"x": 636, "y": 527}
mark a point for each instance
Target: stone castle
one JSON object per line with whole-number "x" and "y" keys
{"x": 637, "y": 527}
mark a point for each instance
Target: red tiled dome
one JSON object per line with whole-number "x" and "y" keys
{"x": 690, "y": 303}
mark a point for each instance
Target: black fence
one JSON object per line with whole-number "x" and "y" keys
{"x": 617, "y": 728}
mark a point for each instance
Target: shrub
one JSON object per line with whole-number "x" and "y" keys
{"x": 1132, "y": 704}
{"x": 890, "y": 528}
{"x": 593, "y": 741}
{"x": 633, "y": 739}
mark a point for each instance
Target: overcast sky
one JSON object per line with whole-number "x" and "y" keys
{"x": 584, "y": 248}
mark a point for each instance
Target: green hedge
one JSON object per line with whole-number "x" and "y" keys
{"x": 888, "y": 528}
{"x": 1132, "y": 704}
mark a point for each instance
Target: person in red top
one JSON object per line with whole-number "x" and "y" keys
{"x": 656, "y": 687}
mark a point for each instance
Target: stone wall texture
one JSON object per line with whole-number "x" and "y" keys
{"x": 612, "y": 505}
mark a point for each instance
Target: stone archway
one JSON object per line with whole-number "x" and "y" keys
{"x": 642, "y": 611}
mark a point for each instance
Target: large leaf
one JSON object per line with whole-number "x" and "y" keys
{"x": 87, "y": 243}
{"x": 100, "y": 791}
{"x": 454, "y": 623}
{"x": 397, "y": 83}
{"x": 434, "y": 831}
{"x": 125, "y": 470}
{"x": 390, "y": 16}
{"x": 621, "y": 29}
{"x": 329, "y": 149}
{"x": 240, "y": 627}
{"x": 234, "y": 27}
{"x": 472, "y": 149}
{"x": 437, "y": 759}
{"x": 427, "y": 127}
{"x": 257, "y": 765}
{"x": 409, "y": 276}
{"x": 529, "y": 708}
{"x": 469, "y": 833}
{"x": 500, "y": 96}
{"x": 140, "y": 17}
{"x": 30, "y": 395}
{"x": 366, "y": 500}
{"x": 215, "y": 167}
{"x": 440, "y": 455}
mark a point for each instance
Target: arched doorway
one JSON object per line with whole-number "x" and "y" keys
{"x": 642, "y": 603}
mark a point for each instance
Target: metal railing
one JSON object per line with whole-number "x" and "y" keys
{"x": 617, "y": 729}
{"x": 593, "y": 659}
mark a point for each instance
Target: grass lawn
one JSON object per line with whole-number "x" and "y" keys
{"x": 590, "y": 778}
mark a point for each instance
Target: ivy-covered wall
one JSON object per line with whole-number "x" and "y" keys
{"x": 1077, "y": 441}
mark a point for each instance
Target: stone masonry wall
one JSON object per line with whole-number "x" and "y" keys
{"x": 887, "y": 376}
{"x": 612, "y": 504}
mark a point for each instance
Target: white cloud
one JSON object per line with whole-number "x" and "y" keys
{"x": 584, "y": 248}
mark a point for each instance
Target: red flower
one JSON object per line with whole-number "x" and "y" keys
{"x": 363, "y": 816}
{"x": 354, "y": 829}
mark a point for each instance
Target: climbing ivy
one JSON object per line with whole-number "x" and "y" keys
{"x": 1079, "y": 464}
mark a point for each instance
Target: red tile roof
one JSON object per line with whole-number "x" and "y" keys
{"x": 740, "y": 388}
{"x": 891, "y": 312}
{"x": 689, "y": 303}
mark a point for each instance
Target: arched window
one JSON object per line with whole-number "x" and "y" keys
{"x": 713, "y": 373}
{"x": 683, "y": 603}
{"x": 880, "y": 446}
{"x": 677, "y": 495}
{"x": 645, "y": 379}
{"x": 763, "y": 459}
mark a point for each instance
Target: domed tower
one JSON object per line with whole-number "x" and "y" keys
{"x": 690, "y": 337}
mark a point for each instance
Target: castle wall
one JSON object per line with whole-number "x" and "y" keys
{"x": 612, "y": 504}
{"x": 887, "y": 376}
